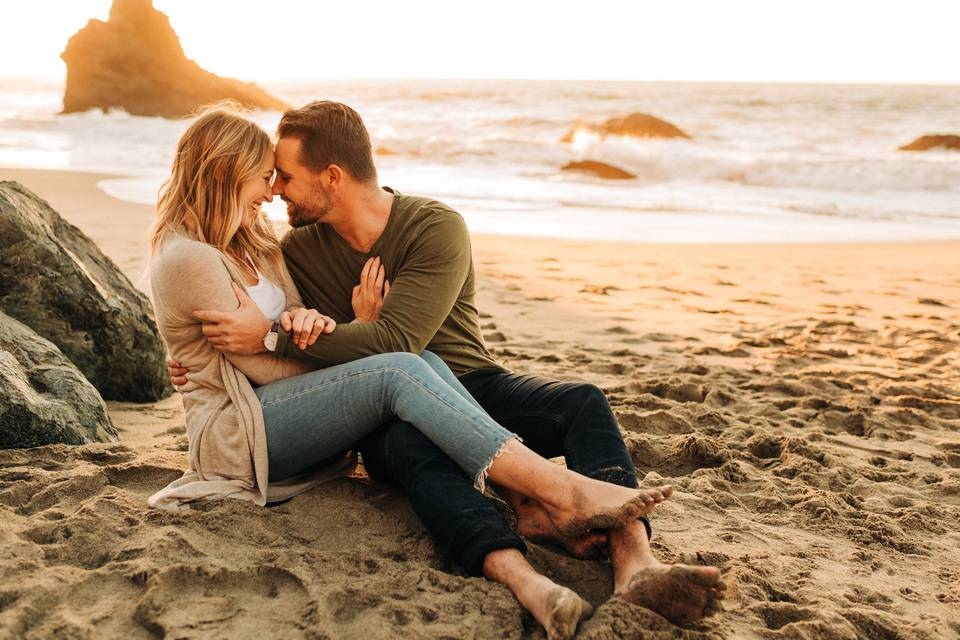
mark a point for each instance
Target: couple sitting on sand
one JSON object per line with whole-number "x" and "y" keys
{"x": 358, "y": 331}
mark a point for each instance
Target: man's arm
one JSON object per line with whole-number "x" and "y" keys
{"x": 422, "y": 294}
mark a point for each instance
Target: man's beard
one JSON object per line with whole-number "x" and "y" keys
{"x": 300, "y": 214}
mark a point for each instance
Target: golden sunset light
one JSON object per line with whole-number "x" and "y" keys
{"x": 499, "y": 320}
{"x": 685, "y": 40}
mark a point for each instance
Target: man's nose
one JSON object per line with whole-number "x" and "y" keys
{"x": 277, "y": 186}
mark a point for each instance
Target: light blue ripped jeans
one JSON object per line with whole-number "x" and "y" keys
{"x": 318, "y": 415}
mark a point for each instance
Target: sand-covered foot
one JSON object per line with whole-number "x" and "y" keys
{"x": 680, "y": 593}
{"x": 564, "y": 611}
{"x": 534, "y": 524}
{"x": 599, "y": 505}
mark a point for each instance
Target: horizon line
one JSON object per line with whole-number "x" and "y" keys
{"x": 876, "y": 83}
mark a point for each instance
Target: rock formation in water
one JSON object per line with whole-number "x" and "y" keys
{"x": 54, "y": 279}
{"x": 599, "y": 169}
{"x": 924, "y": 143}
{"x": 134, "y": 62}
{"x": 44, "y": 399}
{"x": 635, "y": 125}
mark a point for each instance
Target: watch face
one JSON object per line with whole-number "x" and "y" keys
{"x": 270, "y": 341}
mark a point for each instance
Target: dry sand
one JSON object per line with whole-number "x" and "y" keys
{"x": 803, "y": 400}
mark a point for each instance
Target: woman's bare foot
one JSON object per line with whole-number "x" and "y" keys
{"x": 534, "y": 524}
{"x": 590, "y": 504}
{"x": 680, "y": 593}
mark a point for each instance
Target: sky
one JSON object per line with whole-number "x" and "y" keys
{"x": 860, "y": 41}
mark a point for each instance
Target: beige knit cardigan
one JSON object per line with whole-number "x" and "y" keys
{"x": 227, "y": 441}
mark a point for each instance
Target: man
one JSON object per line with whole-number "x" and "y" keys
{"x": 342, "y": 219}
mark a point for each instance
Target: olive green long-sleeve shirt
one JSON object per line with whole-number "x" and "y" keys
{"x": 425, "y": 250}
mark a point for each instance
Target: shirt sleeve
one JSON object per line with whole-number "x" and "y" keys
{"x": 422, "y": 294}
{"x": 195, "y": 278}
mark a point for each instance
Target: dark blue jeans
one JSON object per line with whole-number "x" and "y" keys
{"x": 553, "y": 418}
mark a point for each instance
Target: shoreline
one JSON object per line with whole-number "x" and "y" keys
{"x": 72, "y": 188}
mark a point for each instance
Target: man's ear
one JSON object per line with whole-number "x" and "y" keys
{"x": 335, "y": 174}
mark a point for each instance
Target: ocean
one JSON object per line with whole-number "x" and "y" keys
{"x": 767, "y": 162}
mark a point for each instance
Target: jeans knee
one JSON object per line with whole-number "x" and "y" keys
{"x": 409, "y": 362}
{"x": 588, "y": 408}
{"x": 587, "y": 392}
{"x": 432, "y": 359}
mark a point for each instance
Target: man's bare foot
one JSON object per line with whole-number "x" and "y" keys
{"x": 592, "y": 504}
{"x": 680, "y": 593}
{"x": 557, "y": 608}
{"x": 535, "y": 525}
{"x": 564, "y": 611}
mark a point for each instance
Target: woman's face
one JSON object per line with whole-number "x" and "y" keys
{"x": 258, "y": 189}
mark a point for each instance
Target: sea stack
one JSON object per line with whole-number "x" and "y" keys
{"x": 134, "y": 62}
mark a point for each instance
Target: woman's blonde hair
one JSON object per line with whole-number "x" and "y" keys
{"x": 215, "y": 155}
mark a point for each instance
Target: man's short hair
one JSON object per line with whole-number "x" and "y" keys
{"x": 330, "y": 133}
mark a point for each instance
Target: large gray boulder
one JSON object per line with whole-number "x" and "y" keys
{"x": 44, "y": 399}
{"x": 54, "y": 279}
{"x": 134, "y": 62}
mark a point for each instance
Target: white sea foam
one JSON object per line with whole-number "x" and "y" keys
{"x": 766, "y": 162}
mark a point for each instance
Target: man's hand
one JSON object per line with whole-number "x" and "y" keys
{"x": 368, "y": 296}
{"x": 306, "y": 325}
{"x": 239, "y": 331}
{"x": 178, "y": 375}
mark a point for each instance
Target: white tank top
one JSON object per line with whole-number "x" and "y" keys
{"x": 268, "y": 296}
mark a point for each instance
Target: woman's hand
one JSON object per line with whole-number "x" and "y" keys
{"x": 306, "y": 325}
{"x": 369, "y": 294}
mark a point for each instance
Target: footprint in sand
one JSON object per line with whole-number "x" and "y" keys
{"x": 32, "y": 497}
{"x": 347, "y": 604}
{"x": 142, "y": 478}
{"x": 193, "y": 601}
{"x": 776, "y": 615}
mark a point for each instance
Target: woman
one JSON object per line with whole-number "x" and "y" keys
{"x": 289, "y": 429}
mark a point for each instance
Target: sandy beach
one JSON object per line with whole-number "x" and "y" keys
{"x": 803, "y": 400}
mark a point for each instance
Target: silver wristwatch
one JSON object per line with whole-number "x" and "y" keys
{"x": 270, "y": 340}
